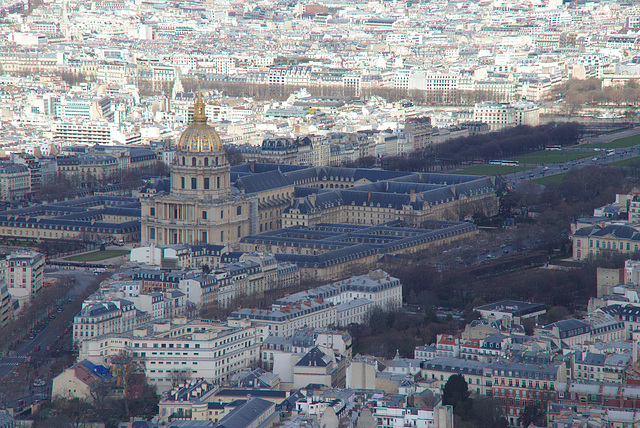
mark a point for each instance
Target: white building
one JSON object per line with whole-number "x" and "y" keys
{"x": 24, "y": 274}
{"x": 438, "y": 417}
{"x": 504, "y": 115}
{"x": 97, "y": 319}
{"x": 207, "y": 350}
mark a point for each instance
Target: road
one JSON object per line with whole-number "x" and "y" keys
{"x": 54, "y": 328}
{"x": 599, "y": 158}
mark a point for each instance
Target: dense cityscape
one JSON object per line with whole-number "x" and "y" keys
{"x": 319, "y": 214}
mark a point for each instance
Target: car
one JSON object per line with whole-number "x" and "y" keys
{"x": 36, "y": 348}
{"x": 33, "y": 336}
{"x": 60, "y": 310}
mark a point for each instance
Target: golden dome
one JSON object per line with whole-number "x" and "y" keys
{"x": 199, "y": 137}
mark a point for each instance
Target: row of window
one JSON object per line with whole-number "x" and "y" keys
{"x": 608, "y": 245}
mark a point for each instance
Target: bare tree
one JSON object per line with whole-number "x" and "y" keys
{"x": 178, "y": 377}
{"x": 123, "y": 367}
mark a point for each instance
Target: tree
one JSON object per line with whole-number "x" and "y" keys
{"x": 531, "y": 414}
{"x": 178, "y": 377}
{"x": 124, "y": 366}
{"x": 456, "y": 394}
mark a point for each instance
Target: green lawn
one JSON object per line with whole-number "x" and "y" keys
{"x": 551, "y": 180}
{"x": 632, "y": 162}
{"x": 619, "y": 143}
{"x": 552, "y": 156}
{"x": 97, "y": 255}
{"x": 492, "y": 169}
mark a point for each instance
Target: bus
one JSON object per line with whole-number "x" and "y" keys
{"x": 504, "y": 162}
{"x": 553, "y": 148}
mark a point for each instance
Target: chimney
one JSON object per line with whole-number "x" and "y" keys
{"x": 368, "y": 195}
{"x": 412, "y": 195}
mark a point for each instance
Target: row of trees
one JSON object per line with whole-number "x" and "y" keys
{"x": 503, "y": 144}
{"x": 64, "y": 186}
{"x": 579, "y": 93}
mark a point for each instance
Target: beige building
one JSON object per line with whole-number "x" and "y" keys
{"x": 201, "y": 208}
{"x": 592, "y": 241}
{"x": 79, "y": 380}
{"x": 15, "y": 181}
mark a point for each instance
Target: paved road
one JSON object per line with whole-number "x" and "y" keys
{"x": 598, "y": 158}
{"x": 53, "y": 329}
{"x": 9, "y": 363}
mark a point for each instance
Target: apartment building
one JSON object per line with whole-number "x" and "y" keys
{"x": 87, "y": 170}
{"x": 6, "y": 306}
{"x": 438, "y": 370}
{"x": 175, "y": 349}
{"x": 516, "y": 385}
{"x": 503, "y": 115}
{"x": 23, "y": 272}
{"x": 417, "y": 132}
{"x": 98, "y": 318}
{"x": 82, "y": 133}
{"x": 286, "y": 320}
{"x": 602, "y": 368}
{"x": 15, "y": 181}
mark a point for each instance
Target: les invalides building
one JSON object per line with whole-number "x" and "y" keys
{"x": 201, "y": 208}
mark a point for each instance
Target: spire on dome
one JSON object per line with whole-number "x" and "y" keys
{"x": 199, "y": 115}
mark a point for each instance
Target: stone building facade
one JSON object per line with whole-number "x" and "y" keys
{"x": 201, "y": 208}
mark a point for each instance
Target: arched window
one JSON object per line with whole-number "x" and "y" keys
{"x": 193, "y": 161}
{"x": 206, "y": 161}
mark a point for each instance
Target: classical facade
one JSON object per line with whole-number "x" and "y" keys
{"x": 201, "y": 208}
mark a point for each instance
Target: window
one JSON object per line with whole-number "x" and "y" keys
{"x": 182, "y": 181}
{"x": 204, "y": 237}
{"x": 152, "y": 233}
{"x": 152, "y": 211}
{"x": 193, "y": 161}
{"x": 194, "y": 183}
{"x": 222, "y": 236}
{"x": 578, "y": 243}
{"x": 218, "y": 182}
{"x": 206, "y": 183}
{"x": 222, "y": 214}
{"x": 239, "y": 210}
{"x": 184, "y": 160}
{"x": 239, "y": 231}
{"x": 204, "y": 215}
{"x": 206, "y": 161}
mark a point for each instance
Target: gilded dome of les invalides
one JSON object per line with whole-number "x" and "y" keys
{"x": 199, "y": 137}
